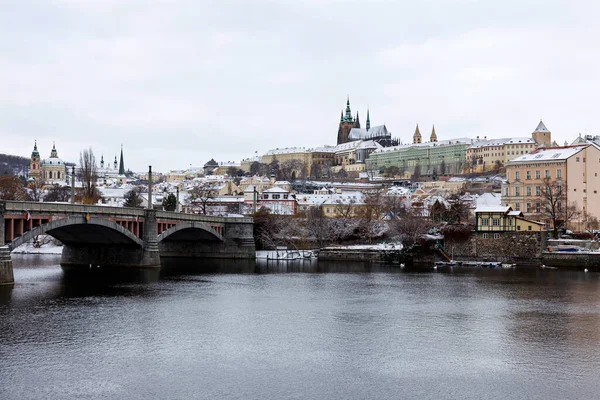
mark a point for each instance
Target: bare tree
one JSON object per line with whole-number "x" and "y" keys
{"x": 12, "y": 188}
{"x": 88, "y": 176}
{"x": 58, "y": 193}
{"x": 443, "y": 167}
{"x": 554, "y": 205}
{"x": 292, "y": 169}
{"x": 201, "y": 196}
{"x": 410, "y": 228}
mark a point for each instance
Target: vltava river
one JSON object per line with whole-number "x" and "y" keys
{"x": 327, "y": 331}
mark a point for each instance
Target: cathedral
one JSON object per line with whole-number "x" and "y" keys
{"x": 50, "y": 170}
{"x": 350, "y": 130}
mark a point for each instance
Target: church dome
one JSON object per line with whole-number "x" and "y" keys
{"x": 52, "y": 161}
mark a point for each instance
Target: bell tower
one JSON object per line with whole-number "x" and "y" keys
{"x": 34, "y": 164}
{"x": 542, "y": 135}
{"x": 417, "y": 138}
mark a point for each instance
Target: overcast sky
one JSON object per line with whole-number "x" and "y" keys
{"x": 180, "y": 82}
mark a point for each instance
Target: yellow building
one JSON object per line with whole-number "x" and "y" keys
{"x": 570, "y": 172}
{"x": 50, "y": 170}
{"x": 504, "y": 219}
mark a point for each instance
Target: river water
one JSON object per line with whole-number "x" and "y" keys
{"x": 233, "y": 330}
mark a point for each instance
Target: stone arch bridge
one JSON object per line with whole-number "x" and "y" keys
{"x": 120, "y": 237}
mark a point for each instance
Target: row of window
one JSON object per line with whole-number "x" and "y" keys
{"x": 538, "y": 174}
{"x": 49, "y": 175}
{"x": 275, "y": 196}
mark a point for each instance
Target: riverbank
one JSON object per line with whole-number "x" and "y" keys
{"x": 28, "y": 248}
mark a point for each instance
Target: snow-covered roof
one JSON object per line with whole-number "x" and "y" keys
{"x": 551, "y": 154}
{"x": 355, "y": 197}
{"x": 489, "y": 200}
{"x": 541, "y": 127}
{"x": 52, "y": 161}
{"x": 375, "y": 132}
{"x": 490, "y": 209}
{"x": 370, "y": 144}
{"x": 450, "y": 142}
{"x": 501, "y": 142}
{"x": 276, "y": 189}
{"x": 287, "y": 150}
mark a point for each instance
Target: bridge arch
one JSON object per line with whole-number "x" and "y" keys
{"x": 190, "y": 231}
{"x": 78, "y": 230}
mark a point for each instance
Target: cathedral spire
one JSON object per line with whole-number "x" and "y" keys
{"x": 53, "y": 153}
{"x": 433, "y": 137}
{"x": 368, "y": 120}
{"x": 357, "y": 123}
{"x": 342, "y": 116}
{"x": 121, "y": 164}
{"x": 417, "y": 138}
{"x": 348, "y": 117}
{"x": 102, "y": 161}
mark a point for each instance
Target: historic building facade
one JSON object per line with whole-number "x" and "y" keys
{"x": 350, "y": 130}
{"x": 50, "y": 170}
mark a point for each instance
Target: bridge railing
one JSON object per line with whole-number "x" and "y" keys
{"x": 67, "y": 208}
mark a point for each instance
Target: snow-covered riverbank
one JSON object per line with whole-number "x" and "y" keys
{"x": 28, "y": 248}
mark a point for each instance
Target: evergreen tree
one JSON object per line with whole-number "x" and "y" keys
{"x": 132, "y": 199}
{"x": 170, "y": 202}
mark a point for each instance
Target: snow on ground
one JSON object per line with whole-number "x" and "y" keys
{"x": 28, "y": 248}
{"x": 378, "y": 246}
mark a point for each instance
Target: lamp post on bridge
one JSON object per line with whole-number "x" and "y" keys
{"x": 73, "y": 184}
{"x": 150, "y": 187}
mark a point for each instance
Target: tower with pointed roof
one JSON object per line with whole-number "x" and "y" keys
{"x": 433, "y": 137}
{"x": 121, "y": 163}
{"x": 417, "y": 138}
{"x": 346, "y": 124}
{"x": 34, "y": 164}
{"x": 368, "y": 126}
{"x": 53, "y": 153}
{"x": 542, "y": 135}
{"x": 102, "y": 161}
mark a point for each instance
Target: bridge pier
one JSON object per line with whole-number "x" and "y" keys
{"x": 6, "y": 270}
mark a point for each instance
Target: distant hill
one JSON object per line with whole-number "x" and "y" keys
{"x": 13, "y": 165}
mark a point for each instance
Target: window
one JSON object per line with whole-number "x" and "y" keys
{"x": 517, "y": 206}
{"x": 577, "y": 159}
{"x": 528, "y": 207}
{"x": 559, "y": 206}
{"x": 518, "y": 228}
{"x": 510, "y": 222}
{"x": 528, "y": 190}
{"x": 496, "y": 236}
{"x": 276, "y": 196}
{"x": 327, "y": 210}
{"x": 559, "y": 174}
{"x": 538, "y": 190}
{"x": 506, "y": 191}
{"x": 485, "y": 222}
{"x": 265, "y": 196}
{"x": 537, "y": 175}
{"x": 528, "y": 175}
{"x": 485, "y": 236}
{"x": 285, "y": 196}
{"x": 537, "y": 207}
{"x": 547, "y": 173}
{"x": 528, "y": 227}
{"x": 517, "y": 175}
{"x": 496, "y": 221}
{"x": 517, "y": 191}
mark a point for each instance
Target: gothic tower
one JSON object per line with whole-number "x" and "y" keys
{"x": 34, "y": 165}
{"x": 417, "y": 138}
{"x": 433, "y": 137}
{"x": 121, "y": 163}
{"x": 115, "y": 163}
{"x": 368, "y": 126}
{"x": 346, "y": 124}
{"x": 542, "y": 135}
{"x": 102, "y": 161}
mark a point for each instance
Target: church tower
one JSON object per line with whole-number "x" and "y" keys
{"x": 542, "y": 135}
{"x": 53, "y": 153}
{"x": 433, "y": 137}
{"x": 115, "y": 163}
{"x": 417, "y": 138}
{"x": 34, "y": 165}
{"x": 346, "y": 124}
{"x": 102, "y": 161}
{"x": 121, "y": 163}
{"x": 368, "y": 126}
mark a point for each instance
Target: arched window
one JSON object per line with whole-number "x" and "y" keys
{"x": 58, "y": 175}
{"x": 50, "y": 174}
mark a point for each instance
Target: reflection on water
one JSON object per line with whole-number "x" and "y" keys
{"x": 254, "y": 330}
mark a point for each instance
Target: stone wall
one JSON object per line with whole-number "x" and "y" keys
{"x": 510, "y": 247}
{"x": 572, "y": 260}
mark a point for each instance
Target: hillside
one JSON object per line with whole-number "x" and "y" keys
{"x": 13, "y": 165}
